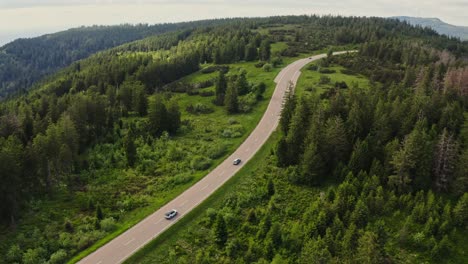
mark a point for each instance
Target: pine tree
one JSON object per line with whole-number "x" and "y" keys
{"x": 287, "y": 112}
{"x": 445, "y": 159}
{"x": 220, "y": 89}
{"x": 173, "y": 117}
{"x": 460, "y": 211}
{"x": 99, "y": 214}
{"x": 265, "y": 50}
{"x": 242, "y": 84}
{"x": 251, "y": 52}
{"x": 130, "y": 148}
{"x": 231, "y": 100}
{"x": 368, "y": 251}
{"x": 220, "y": 231}
{"x": 158, "y": 117}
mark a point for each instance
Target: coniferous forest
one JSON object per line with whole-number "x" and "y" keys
{"x": 369, "y": 163}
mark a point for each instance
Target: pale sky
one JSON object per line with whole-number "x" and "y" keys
{"x": 27, "y": 18}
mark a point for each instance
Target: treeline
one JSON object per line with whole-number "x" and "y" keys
{"x": 25, "y": 61}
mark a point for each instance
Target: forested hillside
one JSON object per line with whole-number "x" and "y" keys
{"x": 25, "y": 61}
{"x": 363, "y": 171}
{"x": 99, "y": 145}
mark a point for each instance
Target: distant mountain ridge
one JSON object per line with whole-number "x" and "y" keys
{"x": 438, "y": 25}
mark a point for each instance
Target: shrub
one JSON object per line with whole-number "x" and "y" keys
{"x": 108, "y": 224}
{"x": 199, "y": 108}
{"x": 324, "y": 79}
{"x": 277, "y": 61}
{"x": 181, "y": 179}
{"x": 234, "y": 131}
{"x": 326, "y": 71}
{"x": 206, "y": 93}
{"x": 267, "y": 67}
{"x": 312, "y": 67}
{"x": 246, "y": 103}
{"x": 348, "y": 72}
{"x": 193, "y": 91}
{"x": 341, "y": 85}
{"x": 14, "y": 254}
{"x": 217, "y": 151}
{"x": 232, "y": 121}
{"x": 210, "y": 69}
{"x": 204, "y": 84}
{"x": 34, "y": 256}
{"x": 69, "y": 227}
{"x": 200, "y": 163}
{"x": 58, "y": 257}
{"x": 259, "y": 64}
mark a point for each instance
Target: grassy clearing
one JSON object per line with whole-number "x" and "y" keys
{"x": 310, "y": 80}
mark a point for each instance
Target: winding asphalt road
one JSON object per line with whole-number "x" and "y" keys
{"x": 123, "y": 246}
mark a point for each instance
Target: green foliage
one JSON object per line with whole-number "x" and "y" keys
{"x": 231, "y": 100}
{"x": 220, "y": 231}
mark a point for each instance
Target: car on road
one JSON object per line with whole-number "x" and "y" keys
{"x": 171, "y": 214}
{"x": 237, "y": 161}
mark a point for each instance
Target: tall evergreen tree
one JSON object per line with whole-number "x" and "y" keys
{"x": 220, "y": 231}
{"x": 130, "y": 148}
{"x": 220, "y": 88}
{"x": 231, "y": 100}
{"x": 157, "y": 116}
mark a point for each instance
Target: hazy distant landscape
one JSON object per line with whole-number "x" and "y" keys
{"x": 439, "y": 26}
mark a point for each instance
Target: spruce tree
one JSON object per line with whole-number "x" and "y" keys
{"x": 220, "y": 88}
{"x": 231, "y": 100}
{"x": 220, "y": 231}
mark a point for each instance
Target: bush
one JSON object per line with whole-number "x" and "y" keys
{"x": 200, "y": 163}
{"x": 277, "y": 61}
{"x": 193, "y": 91}
{"x": 108, "y": 224}
{"x": 341, "y": 85}
{"x": 199, "y": 108}
{"x": 210, "y": 69}
{"x": 259, "y": 64}
{"x": 58, "y": 257}
{"x": 204, "y": 84}
{"x": 312, "y": 67}
{"x": 326, "y": 71}
{"x": 217, "y": 150}
{"x": 181, "y": 179}
{"x": 14, "y": 254}
{"x": 246, "y": 103}
{"x": 324, "y": 79}
{"x": 267, "y": 67}
{"x": 234, "y": 131}
{"x": 34, "y": 256}
{"x": 348, "y": 72}
{"x": 207, "y": 93}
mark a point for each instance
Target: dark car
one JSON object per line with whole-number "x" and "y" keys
{"x": 237, "y": 161}
{"x": 171, "y": 214}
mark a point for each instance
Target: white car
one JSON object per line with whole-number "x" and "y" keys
{"x": 237, "y": 161}
{"x": 171, "y": 214}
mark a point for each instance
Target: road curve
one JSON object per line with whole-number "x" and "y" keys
{"x": 123, "y": 246}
